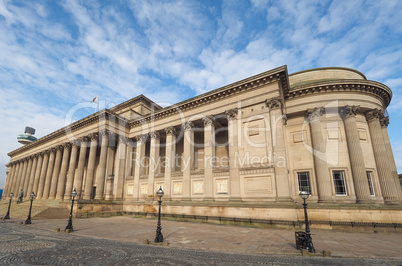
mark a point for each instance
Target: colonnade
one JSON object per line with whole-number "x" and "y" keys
{"x": 384, "y": 160}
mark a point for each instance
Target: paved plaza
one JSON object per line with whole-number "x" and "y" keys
{"x": 119, "y": 241}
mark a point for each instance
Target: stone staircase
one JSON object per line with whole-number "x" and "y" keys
{"x": 41, "y": 209}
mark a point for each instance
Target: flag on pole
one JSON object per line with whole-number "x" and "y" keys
{"x": 94, "y": 99}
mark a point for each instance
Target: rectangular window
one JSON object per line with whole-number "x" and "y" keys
{"x": 370, "y": 183}
{"x": 304, "y": 181}
{"x": 339, "y": 183}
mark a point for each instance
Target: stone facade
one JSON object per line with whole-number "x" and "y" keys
{"x": 232, "y": 151}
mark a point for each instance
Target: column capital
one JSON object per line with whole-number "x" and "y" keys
{"x": 60, "y": 147}
{"x": 349, "y": 111}
{"x": 170, "y": 130}
{"x": 274, "y": 103}
{"x": 231, "y": 114}
{"x": 66, "y": 145}
{"x": 104, "y": 132}
{"x": 188, "y": 125}
{"x": 53, "y": 149}
{"x": 75, "y": 143}
{"x": 141, "y": 138}
{"x": 384, "y": 122}
{"x": 315, "y": 113}
{"x": 154, "y": 135}
{"x": 94, "y": 136}
{"x": 373, "y": 114}
{"x": 208, "y": 120}
{"x": 122, "y": 139}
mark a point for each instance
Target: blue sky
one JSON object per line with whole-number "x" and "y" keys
{"x": 55, "y": 55}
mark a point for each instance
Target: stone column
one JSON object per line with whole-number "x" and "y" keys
{"x": 119, "y": 173}
{"x": 91, "y": 167}
{"x": 27, "y": 176}
{"x": 233, "y": 138}
{"x": 140, "y": 154}
{"x": 209, "y": 157}
{"x": 277, "y": 117}
{"x": 32, "y": 176}
{"x": 71, "y": 170}
{"x": 387, "y": 183}
{"x": 21, "y": 180}
{"x": 49, "y": 173}
{"x": 101, "y": 175}
{"x": 42, "y": 177}
{"x": 37, "y": 173}
{"x": 153, "y": 163}
{"x": 169, "y": 160}
{"x": 56, "y": 172}
{"x": 348, "y": 113}
{"x": 81, "y": 164}
{"x": 61, "y": 183}
{"x": 188, "y": 159}
{"x": 15, "y": 177}
{"x": 11, "y": 168}
{"x": 320, "y": 160}
{"x": 384, "y": 124}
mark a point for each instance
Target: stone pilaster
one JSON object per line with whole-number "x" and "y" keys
{"x": 37, "y": 173}
{"x": 56, "y": 172}
{"x": 140, "y": 154}
{"x": 71, "y": 170}
{"x": 233, "y": 138}
{"x": 153, "y": 163}
{"x": 91, "y": 167}
{"x": 320, "y": 160}
{"x": 277, "y": 118}
{"x": 209, "y": 156}
{"x": 188, "y": 159}
{"x": 387, "y": 184}
{"x": 81, "y": 165}
{"x": 42, "y": 177}
{"x": 63, "y": 171}
{"x": 348, "y": 113}
{"x": 11, "y": 168}
{"x": 100, "y": 179}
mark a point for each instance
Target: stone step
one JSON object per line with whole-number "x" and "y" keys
{"x": 53, "y": 213}
{"x": 21, "y": 210}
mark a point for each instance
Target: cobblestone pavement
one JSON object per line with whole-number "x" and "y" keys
{"x": 32, "y": 245}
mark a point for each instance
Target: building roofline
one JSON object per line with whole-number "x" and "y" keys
{"x": 328, "y": 68}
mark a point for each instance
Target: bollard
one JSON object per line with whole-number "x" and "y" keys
{"x": 58, "y": 229}
{"x": 145, "y": 241}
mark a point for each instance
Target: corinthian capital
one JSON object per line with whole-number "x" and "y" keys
{"x": 154, "y": 135}
{"x": 349, "y": 111}
{"x": 315, "y": 113}
{"x": 170, "y": 130}
{"x": 373, "y": 114}
{"x": 141, "y": 138}
{"x": 188, "y": 125}
{"x": 232, "y": 113}
{"x": 208, "y": 120}
{"x": 274, "y": 103}
{"x": 384, "y": 122}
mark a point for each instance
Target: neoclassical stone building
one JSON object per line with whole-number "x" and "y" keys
{"x": 243, "y": 150}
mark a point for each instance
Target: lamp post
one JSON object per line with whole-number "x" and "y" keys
{"x": 70, "y": 219}
{"x": 159, "y": 236}
{"x": 28, "y": 220}
{"x": 308, "y": 241}
{"x": 9, "y": 204}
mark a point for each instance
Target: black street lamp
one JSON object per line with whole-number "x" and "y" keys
{"x": 9, "y": 204}
{"x": 308, "y": 241}
{"x": 159, "y": 236}
{"x": 28, "y": 220}
{"x": 70, "y": 219}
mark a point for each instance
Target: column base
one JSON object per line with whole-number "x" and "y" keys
{"x": 392, "y": 201}
{"x": 99, "y": 197}
{"x": 364, "y": 201}
{"x": 208, "y": 199}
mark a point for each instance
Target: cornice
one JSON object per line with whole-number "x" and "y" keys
{"x": 377, "y": 89}
{"x": 279, "y": 74}
{"x": 89, "y": 120}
